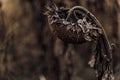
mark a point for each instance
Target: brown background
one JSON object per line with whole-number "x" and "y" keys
{"x": 29, "y": 51}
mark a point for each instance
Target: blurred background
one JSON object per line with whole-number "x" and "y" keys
{"x": 29, "y": 51}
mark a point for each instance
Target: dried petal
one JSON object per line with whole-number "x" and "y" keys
{"x": 92, "y": 61}
{"x": 78, "y": 30}
{"x": 69, "y": 27}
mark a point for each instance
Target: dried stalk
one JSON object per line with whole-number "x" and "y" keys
{"x": 69, "y": 71}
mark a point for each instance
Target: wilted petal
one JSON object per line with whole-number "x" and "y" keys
{"x": 92, "y": 61}
{"x": 78, "y": 29}
{"x": 69, "y": 27}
